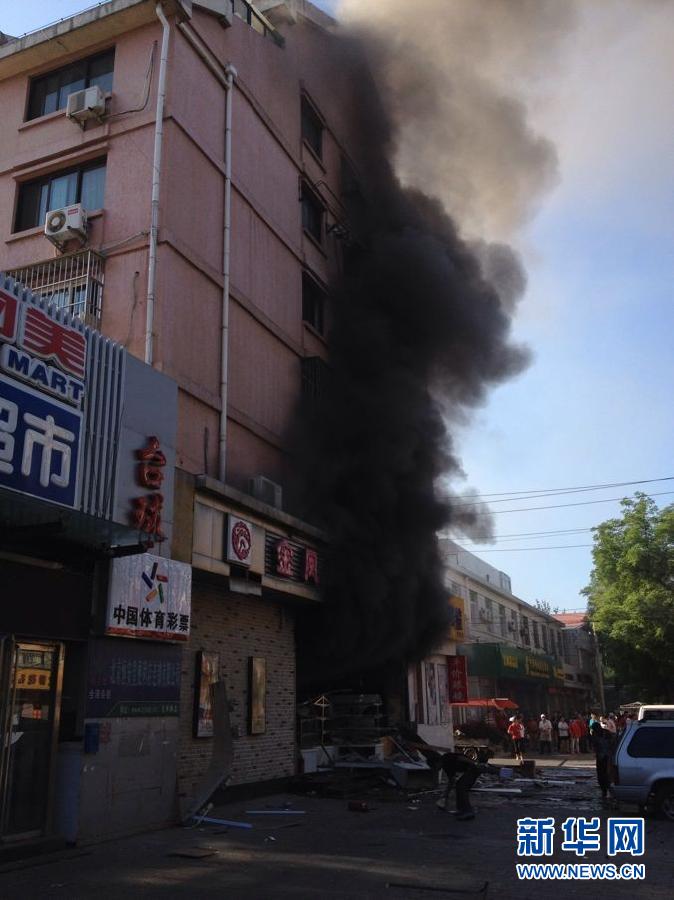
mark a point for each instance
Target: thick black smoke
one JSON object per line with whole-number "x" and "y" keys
{"x": 416, "y": 332}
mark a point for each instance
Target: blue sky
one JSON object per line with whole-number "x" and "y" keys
{"x": 596, "y": 404}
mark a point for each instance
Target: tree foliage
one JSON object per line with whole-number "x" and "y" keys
{"x": 546, "y": 607}
{"x": 631, "y": 595}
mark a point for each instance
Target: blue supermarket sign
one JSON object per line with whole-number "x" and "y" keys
{"x": 42, "y": 372}
{"x": 39, "y": 444}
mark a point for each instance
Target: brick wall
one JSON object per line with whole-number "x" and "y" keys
{"x": 238, "y": 627}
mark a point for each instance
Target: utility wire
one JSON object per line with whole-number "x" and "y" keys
{"x": 514, "y": 536}
{"x": 573, "y": 488}
{"x": 520, "y": 549}
{"x": 480, "y": 498}
{"x": 496, "y": 512}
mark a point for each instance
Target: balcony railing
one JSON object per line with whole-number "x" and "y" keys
{"x": 73, "y": 282}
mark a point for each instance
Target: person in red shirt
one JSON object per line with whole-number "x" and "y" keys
{"x": 516, "y": 732}
{"x": 575, "y": 731}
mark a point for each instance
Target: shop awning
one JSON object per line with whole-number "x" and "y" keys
{"x": 27, "y": 524}
{"x": 492, "y": 702}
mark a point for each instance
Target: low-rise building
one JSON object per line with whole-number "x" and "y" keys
{"x": 583, "y": 689}
{"x": 512, "y": 648}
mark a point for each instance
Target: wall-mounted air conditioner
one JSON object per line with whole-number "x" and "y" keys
{"x": 86, "y": 104}
{"x": 266, "y": 490}
{"x": 67, "y": 224}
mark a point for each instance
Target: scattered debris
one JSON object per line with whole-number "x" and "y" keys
{"x": 285, "y": 825}
{"x": 228, "y": 822}
{"x": 275, "y": 812}
{"x": 411, "y": 886}
{"x": 358, "y": 806}
{"x": 497, "y": 790}
{"x": 193, "y": 853}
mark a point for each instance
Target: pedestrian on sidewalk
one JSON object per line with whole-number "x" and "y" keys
{"x": 584, "y": 735}
{"x": 545, "y": 735}
{"x": 575, "y": 731}
{"x": 601, "y": 743}
{"x": 563, "y": 735}
{"x": 532, "y": 734}
{"x": 516, "y": 732}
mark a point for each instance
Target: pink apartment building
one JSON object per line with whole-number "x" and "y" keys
{"x": 211, "y": 181}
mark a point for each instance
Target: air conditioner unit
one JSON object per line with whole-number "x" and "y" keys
{"x": 66, "y": 224}
{"x": 86, "y": 104}
{"x": 266, "y": 490}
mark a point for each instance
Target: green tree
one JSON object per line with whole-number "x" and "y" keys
{"x": 631, "y": 595}
{"x": 544, "y": 606}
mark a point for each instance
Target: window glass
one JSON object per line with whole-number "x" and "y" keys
{"x": 100, "y": 71}
{"x": 63, "y": 190}
{"x": 85, "y": 185}
{"x": 312, "y": 214}
{"x": 313, "y": 303}
{"x": 74, "y": 78}
{"x": 29, "y": 211}
{"x": 652, "y": 743}
{"x": 93, "y": 187}
{"x": 312, "y": 128}
{"x": 50, "y": 92}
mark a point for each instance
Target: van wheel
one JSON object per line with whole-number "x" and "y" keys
{"x": 664, "y": 800}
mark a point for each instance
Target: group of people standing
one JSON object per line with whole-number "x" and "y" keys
{"x": 558, "y": 735}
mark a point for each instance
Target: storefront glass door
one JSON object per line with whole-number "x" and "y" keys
{"x": 30, "y": 693}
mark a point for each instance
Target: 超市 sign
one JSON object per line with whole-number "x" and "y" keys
{"x": 42, "y": 388}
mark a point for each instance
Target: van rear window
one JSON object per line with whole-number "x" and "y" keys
{"x": 652, "y": 743}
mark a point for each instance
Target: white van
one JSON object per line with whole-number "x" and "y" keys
{"x": 655, "y": 713}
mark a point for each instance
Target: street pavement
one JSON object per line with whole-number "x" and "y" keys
{"x": 401, "y": 848}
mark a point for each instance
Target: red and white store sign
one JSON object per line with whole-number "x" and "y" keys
{"x": 240, "y": 535}
{"x": 458, "y": 679}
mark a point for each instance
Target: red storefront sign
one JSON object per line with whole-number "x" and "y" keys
{"x": 146, "y": 513}
{"x": 458, "y": 679}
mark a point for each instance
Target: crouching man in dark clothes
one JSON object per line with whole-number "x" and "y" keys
{"x": 461, "y": 772}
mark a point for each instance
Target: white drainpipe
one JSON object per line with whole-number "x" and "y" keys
{"x": 230, "y": 73}
{"x": 156, "y": 178}
{"x": 226, "y": 79}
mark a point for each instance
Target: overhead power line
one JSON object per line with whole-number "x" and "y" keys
{"x": 520, "y": 549}
{"x": 552, "y": 492}
{"x": 496, "y": 512}
{"x": 534, "y": 534}
{"x": 568, "y": 489}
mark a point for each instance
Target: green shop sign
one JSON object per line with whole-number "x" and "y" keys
{"x": 500, "y": 661}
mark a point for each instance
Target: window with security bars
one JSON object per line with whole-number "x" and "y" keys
{"x": 315, "y": 373}
{"x": 73, "y": 282}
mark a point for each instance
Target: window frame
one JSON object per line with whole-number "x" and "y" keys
{"x": 308, "y": 106}
{"x": 43, "y": 76}
{"x": 310, "y": 194}
{"x": 318, "y": 296}
{"x": 48, "y": 178}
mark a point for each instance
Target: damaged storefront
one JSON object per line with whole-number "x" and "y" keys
{"x": 438, "y": 681}
{"x": 254, "y": 567}
{"x": 87, "y": 455}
